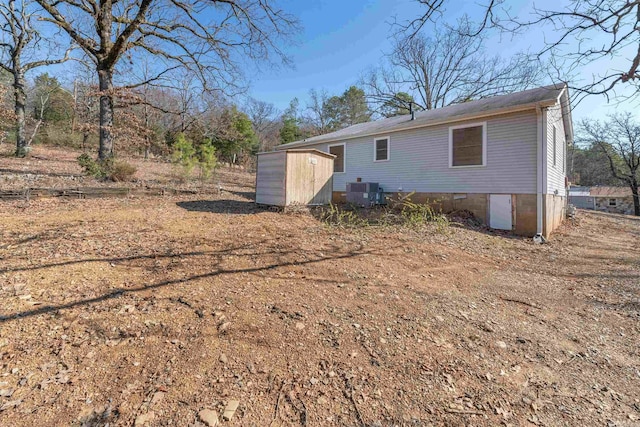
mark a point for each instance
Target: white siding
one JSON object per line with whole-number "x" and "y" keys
{"x": 557, "y": 172}
{"x": 270, "y": 178}
{"x": 419, "y": 160}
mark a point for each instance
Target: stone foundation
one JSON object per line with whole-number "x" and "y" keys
{"x": 624, "y": 205}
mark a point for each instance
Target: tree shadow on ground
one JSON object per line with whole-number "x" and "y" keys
{"x": 226, "y": 206}
{"x": 42, "y": 173}
{"x": 118, "y": 292}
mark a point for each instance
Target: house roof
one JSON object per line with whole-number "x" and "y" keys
{"x": 579, "y": 193}
{"x": 519, "y": 101}
{"x": 611, "y": 192}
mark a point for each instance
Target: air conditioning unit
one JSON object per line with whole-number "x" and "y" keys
{"x": 365, "y": 194}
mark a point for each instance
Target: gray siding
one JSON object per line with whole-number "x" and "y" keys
{"x": 419, "y": 160}
{"x": 270, "y": 178}
{"x": 557, "y": 172}
{"x": 582, "y": 202}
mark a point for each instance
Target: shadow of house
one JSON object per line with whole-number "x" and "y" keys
{"x": 225, "y": 206}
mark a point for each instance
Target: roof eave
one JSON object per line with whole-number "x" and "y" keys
{"x": 565, "y": 105}
{"x": 497, "y": 112}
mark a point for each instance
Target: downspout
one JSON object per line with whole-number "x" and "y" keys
{"x": 540, "y": 174}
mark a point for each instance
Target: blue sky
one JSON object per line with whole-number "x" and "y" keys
{"x": 343, "y": 38}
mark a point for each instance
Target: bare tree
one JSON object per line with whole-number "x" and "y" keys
{"x": 576, "y": 35}
{"x": 207, "y": 38}
{"x": 319, "y": 116}
{"x": 20, "y": 47}
{"x": 264, "y": 117}
{"x": 619, "y": 139}
{"x": 41, "y": 101}
{"x": 449, "y": 68}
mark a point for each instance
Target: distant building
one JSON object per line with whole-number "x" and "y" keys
{"x": 581, "y": 198}
{"x": 613, "y": 199}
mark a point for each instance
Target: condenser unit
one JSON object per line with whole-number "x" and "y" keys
{"x": 365, "y": 194}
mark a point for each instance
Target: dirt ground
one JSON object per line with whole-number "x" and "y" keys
{"x": 151, "y": 309}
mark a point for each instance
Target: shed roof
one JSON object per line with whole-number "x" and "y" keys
{"x": 303, "y": 150}
{"x": 611, "y": 192}
{"x": 519, "y": 101}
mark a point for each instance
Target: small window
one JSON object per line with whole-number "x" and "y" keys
{"x": 555, "y": 147}
{"x": 381, "y": 147}
{"x": 612, "y": 202}
{"x": 467, "y": 145}
{"x": 338, "y": 162}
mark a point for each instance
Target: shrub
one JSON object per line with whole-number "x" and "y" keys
{"x": 92, "y": 167}
{"x": 207, "y": 160}
{"x": 338, "y": 216}
{"x": 418, "y": 214}
{"x": 122, "y": 171}
{"x": 404, "y": 213}
{"x": 184, "y": 155}
{"x": 107, "y": 169}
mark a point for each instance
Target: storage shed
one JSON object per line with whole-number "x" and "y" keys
{"x": 297, "y": 176}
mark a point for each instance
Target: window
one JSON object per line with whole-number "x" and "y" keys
{"x": 612, "y": 202}
{"x": 338, "y": 163}
{"x": 381, "y": 149}
{"x": 468, "y": 145}
{"x": 555, "y": 147}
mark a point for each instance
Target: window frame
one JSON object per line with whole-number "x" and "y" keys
{"x": 615, "y": 203}
{"x": 344, "y": 155}
{"x": 484, "y": 145}
{"x": 375, "y": 148}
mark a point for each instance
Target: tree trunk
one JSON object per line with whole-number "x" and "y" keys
{"x": 105, "y": 78}
{"x": 636, "y": 198}
{"x": 19, "y": 86}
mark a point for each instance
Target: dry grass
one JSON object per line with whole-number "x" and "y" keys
{"x": 55, "y": 167}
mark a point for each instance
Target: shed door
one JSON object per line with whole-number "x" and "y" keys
{"x": 500, "y": 211}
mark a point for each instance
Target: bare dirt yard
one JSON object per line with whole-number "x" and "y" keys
{"x": 148, "y": 310}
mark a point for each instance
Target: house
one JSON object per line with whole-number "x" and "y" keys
{"x": 613, "y": 199}
{"x": 503, "y": 158}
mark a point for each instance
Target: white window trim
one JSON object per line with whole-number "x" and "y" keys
{"x": 344, "y": 155}
{"x": 375, "y": 141}
{"x": 484, "y": 145}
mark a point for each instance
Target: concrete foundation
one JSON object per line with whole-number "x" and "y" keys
{"x": 554, "y": 212}
{"x": 524, "y": 215}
